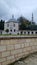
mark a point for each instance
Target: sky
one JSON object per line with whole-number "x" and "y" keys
{"x": 18, "y": 8}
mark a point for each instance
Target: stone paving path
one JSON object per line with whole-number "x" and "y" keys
{"x": 31, "y": 60}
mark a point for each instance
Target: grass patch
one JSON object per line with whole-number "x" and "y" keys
{"x": 18, "y": 35}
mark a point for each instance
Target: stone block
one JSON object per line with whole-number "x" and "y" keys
{"x": 2, "y": 59}
{"x": 5, "y": 42}
{"x": 28, "y": 49}
{"x": 36, "y": 46}
{"x": 28, "y": 40}
{"x": 35, "y": 43}
{"x": 13, "y": 60}
{"x": 19, "y": 55}
{"x": 17, "y": 46}
{"x": 10, "y": 57}
{"x": 0, "y": 55}
{"x": 16, "y": 51}
{"x": 16, "y": 55}
{"x": 6, "y": 62}
{"x": 26, "y": 44}
{"x": 33, "y": 47}
{"x": 27, "y": 52}
{"x": 31, "y": 43}
{"x": 0, "y": 64}
{"x": 10, "y": 47}
{"x": 24, "y": 49}
{"x": 2, "y": 48}
{"x": 22, "y": 45}
{"x": 13, "y": 41}
{"x": 6, "y": 53}
{"x": 0, "y": 42}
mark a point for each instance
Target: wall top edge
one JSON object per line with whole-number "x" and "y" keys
{"x": 16, "y": 37}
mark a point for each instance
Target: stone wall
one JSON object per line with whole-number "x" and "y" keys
{"x": 12, "y": 49}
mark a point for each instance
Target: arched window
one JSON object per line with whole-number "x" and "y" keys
{"x": 32, "y": 32}
{"x": 14, "y": 30}
{"x": 24, "y": 32}
{"x": 21, "y": 32}
{"x": 11, "y": 30}
{"x": 36, "y": 32}
{"x": 28, "y": 32}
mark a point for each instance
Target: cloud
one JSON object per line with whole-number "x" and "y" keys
{"x": 18, "y": 7}
{"x": 4, "y": 9}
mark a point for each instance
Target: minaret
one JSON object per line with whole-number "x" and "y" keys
{"x": 32, "y": 17}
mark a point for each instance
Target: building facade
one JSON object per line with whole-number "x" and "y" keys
{"x": 12, "y": 25}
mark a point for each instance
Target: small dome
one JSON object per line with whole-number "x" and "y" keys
{"x": 12, "y": 19}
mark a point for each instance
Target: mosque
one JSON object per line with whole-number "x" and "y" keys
{"x": 12, "y": 27}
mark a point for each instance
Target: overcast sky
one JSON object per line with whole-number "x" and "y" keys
{"x": 18, "y": 8}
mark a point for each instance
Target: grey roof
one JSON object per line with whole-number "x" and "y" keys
{"x": 12, "y": 20}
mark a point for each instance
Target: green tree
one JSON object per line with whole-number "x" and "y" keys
{"x": 7, "y": 30}
{"x": 24, "y": 23}
{"x": 2, "y": 25}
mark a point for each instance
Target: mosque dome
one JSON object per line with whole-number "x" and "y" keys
{"x": 12, "y": 19}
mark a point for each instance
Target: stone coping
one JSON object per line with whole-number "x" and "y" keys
{"x": 16, "y": 37}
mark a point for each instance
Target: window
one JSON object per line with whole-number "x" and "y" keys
{"x": 11, "y": 30}
{"x": 14, "y": 25}
{"x": 28, "y": 32}
{"x": 7, "y": 25}
{"x": 14, "y": 30}
{"x": 24, "y": 32}
{"x": 21, "y": 32}
{"x": 32, "y": 32}
{"x": 36, "y": 32}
